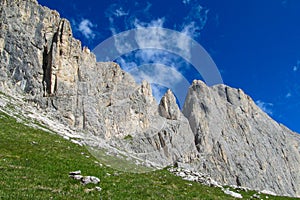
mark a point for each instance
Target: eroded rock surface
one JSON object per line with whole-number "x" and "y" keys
{"x": 222, "y": 132}
{"x": 168, "y": 107}
{"x": 42, "y": 61}
{"x": 239, "y": 144}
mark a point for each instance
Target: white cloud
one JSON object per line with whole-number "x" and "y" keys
{"x": 195, "y": 21}
{"x": 120, "y": 12}
{"x": 191, "y": 29}
{"x": 147, "y": 8}
{"x": 288, "y": 95}
{"x": 158, "y": 39}
{"x": 115, "y": 10}
{"x": 295, "y": 68}
{"x": 164, "y": 76}
{"x": 151, "y": 37}
{"x": 85, "y": 27}
{"x": 266, "y": 107}
{"x": 186, "y": 2}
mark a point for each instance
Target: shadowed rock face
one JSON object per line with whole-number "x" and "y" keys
{"x": 240, "y": 144}
{"x": 237, "y": 143}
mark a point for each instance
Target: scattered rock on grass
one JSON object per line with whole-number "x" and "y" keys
{"x": 233, "y": 194}
{"x": 89, "y": 179}
{"x": 84, "y": 179}
{"x": 78, "y": 172}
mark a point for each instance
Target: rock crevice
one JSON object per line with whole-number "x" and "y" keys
{"x": 220, "y": 131}
{"x": 239, "y": 143}
{"x": 43, "y": 62}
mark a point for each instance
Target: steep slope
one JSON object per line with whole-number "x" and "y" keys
{"x": 22, "y": 177}
{"x": 43, "y": 65}
{"x": 42, "y": 62}
{"x": 239, "y": 143}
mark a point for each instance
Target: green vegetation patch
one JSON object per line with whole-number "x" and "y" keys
{"x": 35, "y": 165}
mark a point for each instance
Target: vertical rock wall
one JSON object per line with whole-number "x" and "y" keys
{"x": 240, "y": 144}
{"x": 42, "y": 62}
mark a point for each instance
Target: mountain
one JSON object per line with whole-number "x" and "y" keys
{"x": 220, "y": 130}
{"x": 240, "y": 144}
{"x": 41, "y": 60}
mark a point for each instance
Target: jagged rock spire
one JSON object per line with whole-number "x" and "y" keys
{"x": 168, "y": 107}
{"x": 239, "y": 143}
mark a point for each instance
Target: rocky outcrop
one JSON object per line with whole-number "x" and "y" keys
{"x": 168, "y": 107}
{"x": 85, "y": 180}
{"x": 222, "y": 132}
{"x": 239, "y": 144}
{"x": 41, "y": 61}
{"x": 38, "y": 52}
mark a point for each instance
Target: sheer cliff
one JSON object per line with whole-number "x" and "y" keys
{"x": 43, "y": 62}
{"x": 220, "y": 130}
{"x": 240, "y": 144}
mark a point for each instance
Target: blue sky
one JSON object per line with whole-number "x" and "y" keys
{"x": 254, "y": 43}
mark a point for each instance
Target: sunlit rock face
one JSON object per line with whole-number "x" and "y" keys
{"x": 43, "y": 62}
{"x": 240, "y": 144}
{"x": 220, "y": 132}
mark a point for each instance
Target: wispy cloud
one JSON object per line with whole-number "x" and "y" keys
{"x": 288, "y": 95}
{"x": 266, "y": 107}
{"x": 85, "y": 27}
{"x": 115, "y": 10}
{"x": 157, "y": 66}
{"x": 295, "y": 68}
{"x": 141, "y": 19}
{"x": 284, "y": 3}
{"x": 195, "y": 20}
{"x": 186, "y": 2}
{"x": 120, "y": 12}
{"x": 163, "y": 76}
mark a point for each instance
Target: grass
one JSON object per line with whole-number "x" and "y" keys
{"x": 35, "y": 165}
{"x": 128, "y": 137}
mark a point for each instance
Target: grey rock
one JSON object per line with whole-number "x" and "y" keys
{"x": 190, "y": 175}
{"x": 89, "y": 179}
{"x": 168, "y": 107}
{"x": 222, "y": 132}
{"x": 233, "y": 194}
{"x": 256, "y": 196}
{"x": 76, "y": 177}
{"x": 42, "y": 61}
{"x": 78, "y": 172}
{"x": 268, "y": 192}
{"x": 84, "y": 179}
{"x": 239, "y": 144}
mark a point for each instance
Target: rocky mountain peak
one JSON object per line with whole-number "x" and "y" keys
{"x": 168, "y": 107}
{"x": 146, "y": 88}
{"x": 239, "y": 143}
{"x": 220, "y": 131}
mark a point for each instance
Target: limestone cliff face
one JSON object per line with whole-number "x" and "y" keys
{"x": 168, "y": 107}
{"x": 239, "y": 144}
{"x": 221, "y": 131}
{"x": 38, "y": 52}
{"x": 41, "y": 61}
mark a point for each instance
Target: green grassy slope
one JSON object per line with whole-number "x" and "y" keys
{"x": 35, "y": 165}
